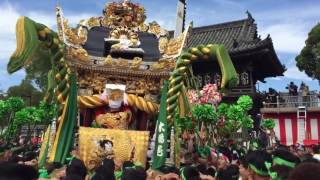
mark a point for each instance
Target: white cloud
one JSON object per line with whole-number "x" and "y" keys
{"x": 8, "y": 23}
{"x": 276, "y": 78}
{"x": 292, "y": 14}
{"x": 287, "y": 38}
{"x": 7, "y": 26}
{"x": 227, "y": 3}
{"x": 8, "y": 39}
{"x": 294, "y": 73}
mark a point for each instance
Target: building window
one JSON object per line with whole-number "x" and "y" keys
{"x": 199, "y": 79}
{"x": 207, "y": 79}
{"x": 244, "y": 78}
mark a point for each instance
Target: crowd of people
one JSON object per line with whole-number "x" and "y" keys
{"x": 278, "y": 163}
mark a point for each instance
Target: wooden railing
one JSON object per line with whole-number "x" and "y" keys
{"x": 286, "y": 101}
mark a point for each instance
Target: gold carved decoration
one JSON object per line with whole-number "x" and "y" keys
{"x": 164, "y": 65}
{"x": 74, "y": 36}
{"x": 78, "y": 54}
{"x": 122, "y": 62}
{"x": 124, "y": 33}
{"x": 123, "y": 14}
{"x": 114, "y": 120}
{"x": 163, "y": 44}
{"x": 126, "y": 145}
{"x": 93, "y": 22}
{"x": 108, "y": 60}
{"x": 156, "y": 29}
{"x": 174, "y": 45}
{"x": 135, "y": 63}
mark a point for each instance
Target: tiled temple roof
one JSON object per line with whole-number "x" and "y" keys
{"x": 240, "y": 37}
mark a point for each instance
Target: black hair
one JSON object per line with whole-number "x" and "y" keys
{"x": 127, "y": 164}
{"x": 244, "y": 162}
{"x": 286, "y": 155}
{"x": 52, "y": 166}
{"x": 309, "y": 171}
{"x": 258, "y": 158}
{"x": 211, "y": 172}
{"x": 306, "y": 157}
{"x": 202, "y": 168}
{"x": 282, "y": 171}
{"x": 14, "y": 171}
{"x": 103, "y": 173}
{"x": 76, "y": 167}
{"x": 104, "y": 142}
{"x": 108, "y": 164}
{"x": 74, "y": 177}
{"x": 168, "y": 169}
{"x": 134, "y": 173}
{"x": 230, "y": 173}
{"x": 28, "y": 156}
{"x": 316, "y": 149}
{"x": 310, "y": 160}
{"x": 15, "y": 159}
{"x": 225, "y": 151}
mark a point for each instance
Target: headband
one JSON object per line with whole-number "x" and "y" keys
{"x": 43, "y": 173}
{"x": 70, "y": 159}
{"x": 282, "y": 162}
{"x": 272, "y": 174}
{"x": 182, "y": 174}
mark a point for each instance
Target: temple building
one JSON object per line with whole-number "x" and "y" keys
{"x": 254, "y": 58}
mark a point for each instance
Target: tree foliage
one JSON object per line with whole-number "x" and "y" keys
{"x": 47, "y": 112}
{"x": 37, "y": 71}
{"x": 15, "y": 104}
{"x": 31, "y": 95}
{"x": 9, "y": 107}
{"x": 27, "y": 116}
{"x": 31, "y": 116}
{"x": 309, "y": 58}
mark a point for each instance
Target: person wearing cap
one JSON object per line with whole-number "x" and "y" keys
{"x": 117, "y": 114}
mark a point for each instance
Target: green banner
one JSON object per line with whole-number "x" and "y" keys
{"x": 65, "y": 140}
{"x": 161, "y": 144}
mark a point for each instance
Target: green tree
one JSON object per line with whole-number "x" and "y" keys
{"x": 29, "y": 116}
{"x": 309, "y": 58}
{"x": 37, "y": 71}
{"x": 4, "y": 109}
{"x": 13, "y": 104}
{"x": 47, "y": 112}
{"x": 31, "y": 95}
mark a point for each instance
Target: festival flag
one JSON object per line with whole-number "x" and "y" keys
{"x": 44, "y": 148}
{"x": 65, "y": 133}
{"x": 161, "y": 144}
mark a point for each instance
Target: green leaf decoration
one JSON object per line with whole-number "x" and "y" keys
{"x": 205, "y": 113}
{"x": 223, "y": 109}
{"x": 268, "y": 123}
{"x": 185, "y": 123}
{"x": 245, "y": 102}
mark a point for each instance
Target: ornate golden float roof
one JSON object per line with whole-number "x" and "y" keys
{"x": 120, "y": 39}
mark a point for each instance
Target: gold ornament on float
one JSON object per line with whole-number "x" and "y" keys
{"x": 95, "y": 144}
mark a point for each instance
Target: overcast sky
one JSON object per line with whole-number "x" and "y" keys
{"x": 287, "y": 21}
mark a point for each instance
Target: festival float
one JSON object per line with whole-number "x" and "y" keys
{"x": 118, "y": 80}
